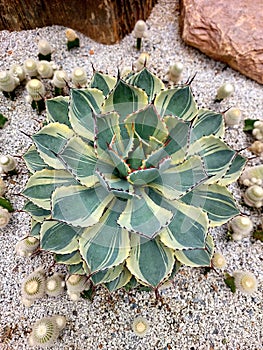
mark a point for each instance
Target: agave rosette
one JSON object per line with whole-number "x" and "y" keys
{"x": 127, "y": 179}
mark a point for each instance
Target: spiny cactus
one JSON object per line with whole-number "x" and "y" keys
{"x": 127, "y": 179}
{"x": 72, "y": 39}
{"x": 44, "y": 50}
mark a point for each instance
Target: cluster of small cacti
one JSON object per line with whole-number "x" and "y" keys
{"x": 7, "y": 165}
{"x": 252, "y": 178}
{"x": 75, "y": 285}
{"x": 46, "y": 331}
{"x": 27, "y": 246}
{"x": 37, "y": 285}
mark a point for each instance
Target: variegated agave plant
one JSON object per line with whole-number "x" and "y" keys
{"x": 127, "y": 179}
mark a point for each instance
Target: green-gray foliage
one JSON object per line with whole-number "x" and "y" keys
{"x": 127, "y": 179}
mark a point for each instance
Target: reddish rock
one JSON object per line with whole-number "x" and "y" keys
{"x": 229, "y": 31}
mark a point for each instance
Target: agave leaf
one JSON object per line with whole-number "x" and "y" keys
{"x": 207, "y": 123}
{"x": 146, "y": 81}
{"x": 37, "y": 213}
{"x": 150, "y": 261}
{"x": 103, "y": 82}
{"x": 119, "y": 163}
{"x": 187, "y": 229}
{"x": 177, "y": 180}
{"x": 197, "y": 257}
{"x": 80, "y": 206}
{"x": 143, "y": 177}
{"x": 6, "y": 204}
{"x": 42, "y": 183}
{"x": 35, "y": 228}
{"x": 50, "y": 140}
{"x": 146, "y": 123}
{"x": 216, "y": 155}
{"x": 59, "y": 237}
{"x": 214, "y": 199}
{"x": 178, "y": 102}
{"x": 105, "y": 244}
{"x": 107, "y": 275}
{"x": 120, "y": 281}
{"x": 118, "y": 187}
{"x": 136, "y": 157}
{"x": 175, "y": 145}
{"x": 73, "y": 258}
{"x": 234, "y": 171}
{"x": 125, "y": 99}
{"x": 77, "y": 269}
{"x": 57, "y": 110}
{"x": 143, "y": 216}
{"x": 33, "y": 160}
{"x": 80, "y": 160}
{"x": 83, "y": 104}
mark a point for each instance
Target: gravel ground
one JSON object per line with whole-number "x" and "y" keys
{"x": 198, "y": 311}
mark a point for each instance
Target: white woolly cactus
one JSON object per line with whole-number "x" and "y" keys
{"x": 33, "y": 286}
{"x": 240, "y": 226}
{"x": 36, "y": 91}
{"x": 79, "y": 77}
{"x": 45, "y": 69}
{"x": 224, "y": 91}
{"x": 232, "y": 116}
{"x": 30, "y": 67}
{"x": 254, "y": 196}
{"x": 142, "y": 61}
{"x": 7, "y": 164}
{"x": 257, "y": 148}
{"x": 252, "y": 176}
{"x": 18, "y": 71}
{"x": 140, "y": 326}
{"x": 46, "y": 331}
{"x": 44, "y": 50}
{"x": 60, "y": 79}
{"x": 218, "y": 260}
{"x": 258, "y": 130}
{"x": 75, "y": 285}
{"x": 2, "y": 187}
{"x": 245, "y": 282}
{"x": 55, "y": 285}
{"x": 4, "y": 217}
{"x": 8, "y": 83}
{"x": 140, "y": 31}
{"x": 72, "y": 38}
{"x": 27, "y": 246}
{"x": 175, "y": 72}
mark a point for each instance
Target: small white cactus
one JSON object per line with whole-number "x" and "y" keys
{"x": 254, "y": 196}
{"x": 45, "y": 69}
{"x": 252, "y": 176}
{"x": 240, "y": 226}
{"x": 218, "y": 260}
{"x": 36, "y": 90}
{"x": 77, "y": 283}
{"x": 142, "y": 61}
{"x": 175, "y": 72}
{"x": 33, "y": 286}
{"x": 8, "y": 82}
{"x": 60, "y": 321}
{"x": 44, "y": 332}
{"x": 4, "y": 217}
{"x": 140, "y": 31}
{"x": 27, "y": 246}
{"x": 140, "y": 326}
{"x": 125, "y": 71}
{"x": 60, "y": 79}
{"x": 257, "y": 148}
{"x": 55, "y": 285}
{"x": 44, "y": 47}
{"x": 18, "y": 71}
{"x": 7, "y": 163}
{"x": 2, "y": 187}
{"x": 224, "y": 91}
{"x": 245, "y": 282}
{"x": 79, "y": 77}
{"x": 30, "y": 67}
{"x": 72, "y": 38}
{"x": 232, "y": 117}
{"x": 258, "y": 130}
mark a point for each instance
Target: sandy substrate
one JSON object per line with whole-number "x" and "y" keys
{"x": 199, "y": 312}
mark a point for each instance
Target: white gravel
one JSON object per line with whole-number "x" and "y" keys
{"x": 199, "y": 312}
